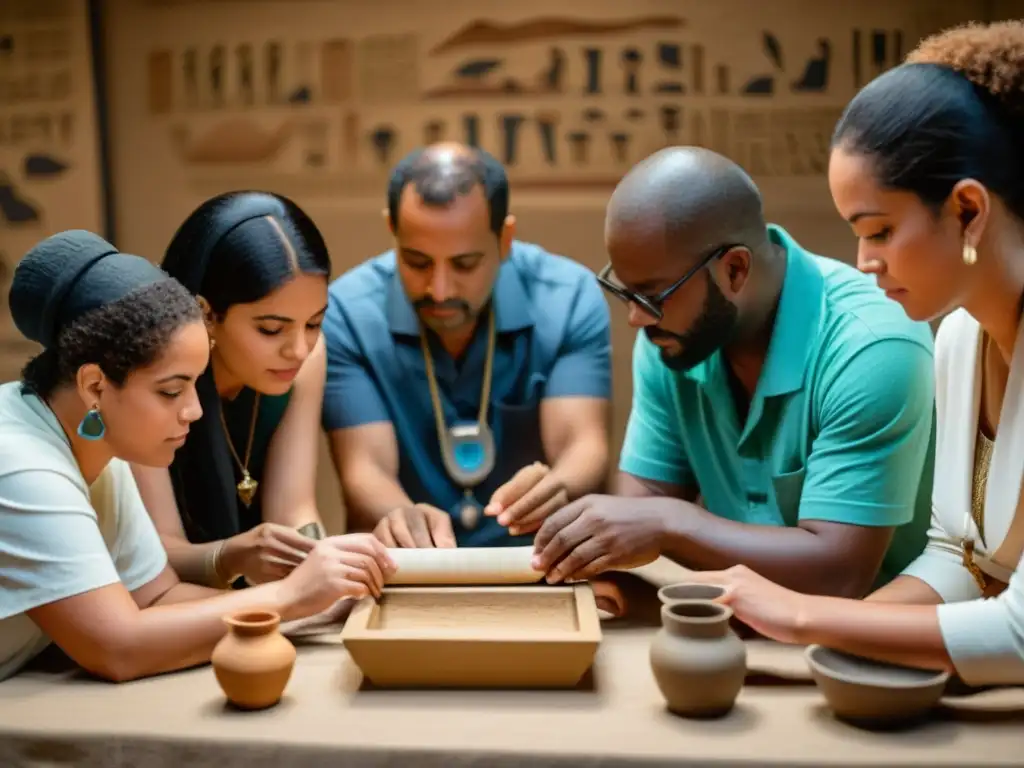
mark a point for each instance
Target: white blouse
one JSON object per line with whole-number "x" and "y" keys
{"x": 984, "y": 636}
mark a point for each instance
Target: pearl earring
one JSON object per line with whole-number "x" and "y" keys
{"x": 970, "y": 254}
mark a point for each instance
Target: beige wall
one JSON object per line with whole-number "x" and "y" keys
{"x": 392, "y": 54}
{"x": 49, "y": 169}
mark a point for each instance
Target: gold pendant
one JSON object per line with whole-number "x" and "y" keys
{"x": 469, "y": 515}
{"x": 971, "y": 566}
{"x": 247, "y": 489}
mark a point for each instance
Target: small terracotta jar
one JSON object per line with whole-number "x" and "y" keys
{"x": 253, "y": 661}
{"x": 698, "y": 661}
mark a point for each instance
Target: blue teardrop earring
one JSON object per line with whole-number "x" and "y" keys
{"x": 91, "y": 427}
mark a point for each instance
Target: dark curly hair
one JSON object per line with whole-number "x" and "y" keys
{"x": 121, "y": 337}
{"x": 953, "y": 111}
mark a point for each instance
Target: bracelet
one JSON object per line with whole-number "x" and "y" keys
{"x": 213, "y": 563}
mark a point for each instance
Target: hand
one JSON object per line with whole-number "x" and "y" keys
{"x": 355, "y": 565}
{"x": 319, "y": 623}
{"x": 265, "y": 553}
{"x": 764, "y": 606}
{"x": 598, "y": 533}
{"x": 525, "y": 502}
{"x": 419, "y": 526}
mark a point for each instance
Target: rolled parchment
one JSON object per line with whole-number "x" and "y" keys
{"x": 467, "y": 565}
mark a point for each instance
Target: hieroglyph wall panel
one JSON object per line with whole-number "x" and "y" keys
{"x": 49, "y": 167}
{"x": 323, "y": 100}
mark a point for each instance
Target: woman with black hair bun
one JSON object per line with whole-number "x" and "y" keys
{"x": 927, "y": 166}
{"x": 81, "y": 564}
{"x": 238, "y": 505}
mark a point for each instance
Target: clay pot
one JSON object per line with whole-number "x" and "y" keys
{"x": 253, "y": 661}
{"x": 698, "y": 661}
{"x": 686, "y": 590}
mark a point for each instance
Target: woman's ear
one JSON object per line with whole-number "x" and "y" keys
{"x": 972, "y": 207}
{"x": 208, "y": 317}
{"x": 90, "y": 382}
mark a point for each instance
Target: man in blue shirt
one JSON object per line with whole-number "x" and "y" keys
{"x": 782, "y": 388}
{"x": 468, "y": 373}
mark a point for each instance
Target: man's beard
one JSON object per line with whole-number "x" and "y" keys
{"x": 713, "y": 329}
{"x": 462, "y": 313}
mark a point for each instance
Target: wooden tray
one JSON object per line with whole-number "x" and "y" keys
{"x": 475, "y": 637}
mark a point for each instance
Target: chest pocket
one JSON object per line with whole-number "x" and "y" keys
{"x": 788, "y": 488}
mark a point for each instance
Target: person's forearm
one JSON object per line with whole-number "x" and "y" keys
{"x": 909, "y": 590}
{"x": 370, "y": 496}
{"x": 793, "y": 557}
{"x": 192, "y": 562}
{"x": 582, "y": 467}
{"x": 180, "y": 631}
{"x": 293, "y": 515}
{"x": 898, "y": 634}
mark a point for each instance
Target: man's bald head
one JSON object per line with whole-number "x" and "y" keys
{"x": 442, "y": 172}
{"x": 679, "y": 210}
{"x": 689, "y": 200}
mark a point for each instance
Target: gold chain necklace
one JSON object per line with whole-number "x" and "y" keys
{"x": 246, "y": 486}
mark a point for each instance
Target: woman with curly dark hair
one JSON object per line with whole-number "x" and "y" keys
{"x": 238, "y": 505}
{"x": 81, "y": 564}
{"x": 927, "y": 167}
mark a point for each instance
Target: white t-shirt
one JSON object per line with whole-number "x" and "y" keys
{"x": 58, "y": 537}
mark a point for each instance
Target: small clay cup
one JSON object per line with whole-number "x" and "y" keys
{"x": 698, "y": 661}
{"x": 253, "y": 661}
{"x": 871, "y": 693}
{"x": 673, "y": 593}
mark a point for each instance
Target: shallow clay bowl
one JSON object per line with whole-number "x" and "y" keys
{"x": 686, "y": 590}
{"x": 873, "y": 693}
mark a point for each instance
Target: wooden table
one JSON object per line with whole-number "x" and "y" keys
{"x": 328, "y": 718}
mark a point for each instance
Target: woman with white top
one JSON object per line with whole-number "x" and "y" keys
{"x": 927, "y": 167}
{"x": 81, "y": 564}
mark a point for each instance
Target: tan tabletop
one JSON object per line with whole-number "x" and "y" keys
{"x": 327, "y": 718}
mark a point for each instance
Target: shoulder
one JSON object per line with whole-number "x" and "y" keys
{"x": 366, "y": 282}
{"x": 563, "y": 291}
{"x": 860, "y": 325}
{"x": 31, "y": 439}
{"x": 957, "y": 331}
{"x": 359, "y": 296}
{"x": 543, "y": 272}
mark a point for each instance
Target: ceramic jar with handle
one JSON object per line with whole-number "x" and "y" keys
{"x": 698, "y": 662}
{"x": 253, "y": 661}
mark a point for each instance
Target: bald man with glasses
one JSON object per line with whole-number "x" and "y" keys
{"x": 782, "y": 389}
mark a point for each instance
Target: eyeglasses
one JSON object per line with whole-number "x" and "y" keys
{"x": 652, "y": 305}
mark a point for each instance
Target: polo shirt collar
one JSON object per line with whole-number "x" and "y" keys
{"x": 511, "y": 302}
{"x": 796, "y": 321}
{"x": 796, "y": 324}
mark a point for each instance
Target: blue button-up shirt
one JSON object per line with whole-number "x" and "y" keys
{"x": 553, "y": 340}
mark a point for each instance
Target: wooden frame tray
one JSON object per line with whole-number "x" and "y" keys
{"x": 475, "y": 637}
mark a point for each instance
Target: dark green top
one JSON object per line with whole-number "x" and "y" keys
{"x": 238, "y": 418}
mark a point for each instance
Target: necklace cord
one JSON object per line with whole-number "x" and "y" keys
{"x": 435, "y": 395}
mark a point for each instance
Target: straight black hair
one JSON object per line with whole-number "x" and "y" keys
{"x": 925, "y": 127}
{"x": 236, "y": 248}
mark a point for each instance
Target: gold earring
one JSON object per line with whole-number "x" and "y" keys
{"x": 213, "y": 343}
{"x": 970, "y": 254}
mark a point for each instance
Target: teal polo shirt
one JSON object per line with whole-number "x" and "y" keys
{"x": 841, "y": 425}
{"x": 553, "y": 341}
